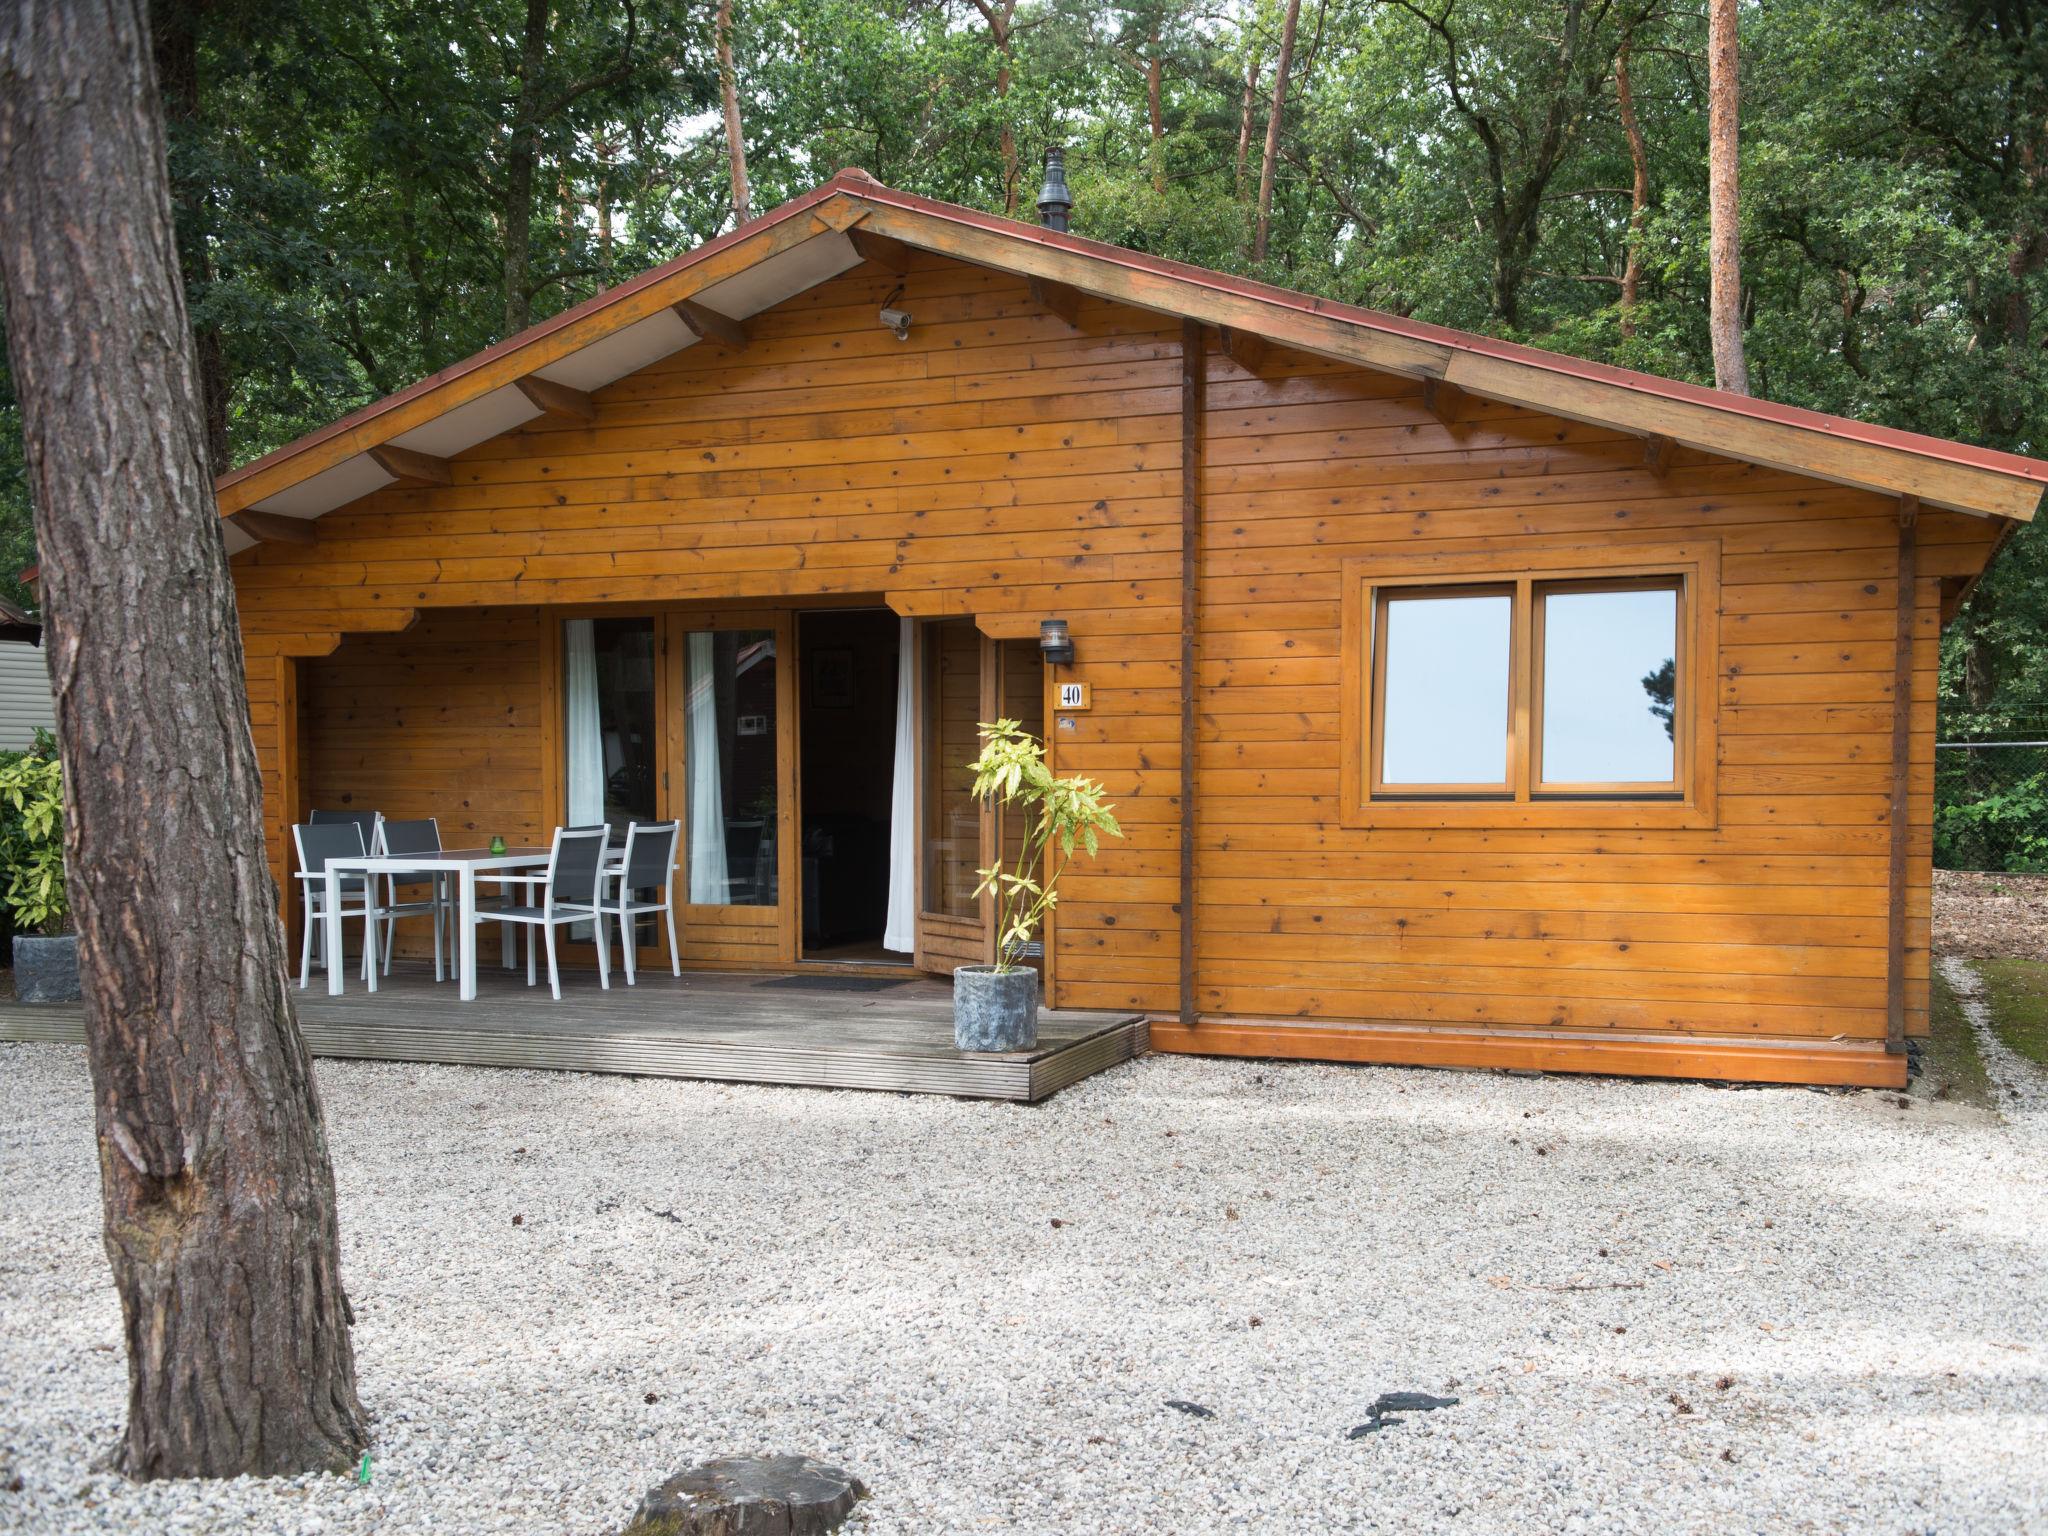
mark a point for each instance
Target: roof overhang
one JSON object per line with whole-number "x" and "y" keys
{"x": 827, "y": 231}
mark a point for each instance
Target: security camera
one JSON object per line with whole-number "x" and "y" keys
{"x": 898, "y": 322}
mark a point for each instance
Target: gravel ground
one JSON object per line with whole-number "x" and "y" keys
{"x": 1662, "y": 1307}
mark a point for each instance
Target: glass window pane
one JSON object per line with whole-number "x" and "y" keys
{"x": 1609, "y": 687}
{"x": 1444, "y": 713}
{"x": 729, "y": 754}
{"x": 608, "y": 674}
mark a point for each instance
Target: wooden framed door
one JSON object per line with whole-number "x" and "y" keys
{"x": 730, "y": 779}
{"x": 964, "y": 678}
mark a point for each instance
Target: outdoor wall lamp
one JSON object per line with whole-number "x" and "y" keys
{"x": 1055, "y": 645}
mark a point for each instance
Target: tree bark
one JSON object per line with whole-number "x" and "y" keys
{"x": 1272, "y": 154}
{"x": 1724, "y": 253}
{"x": 522, "y": 155}
{"x": 174, "y": 26}
{"x": 216, "y": 1190}
{"x": 729, "y": 90}
{"x": 1244, "y": 117}
{"x": 1639, "y": 190}
{"x": 1155, "y": 111}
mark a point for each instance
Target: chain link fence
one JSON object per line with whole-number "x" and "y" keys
{"x": 1991, "y": 796}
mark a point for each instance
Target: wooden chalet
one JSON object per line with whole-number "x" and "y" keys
{"x": 1465, "y": 704}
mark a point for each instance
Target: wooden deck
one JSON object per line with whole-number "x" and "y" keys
{"x": 816, "y": 1030}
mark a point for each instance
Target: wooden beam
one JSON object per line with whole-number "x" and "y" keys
{"x": 406, "y": 464}
{"x": 1906, "y": 610}
{"x": 890, "y": 255}
{"x": 710, "y": 325}
{"x": 273, "y": 528}
{"x": 1249, "y": 352}
{"x": 1445, "y": 401}
{"x": 1059, "y": 298}
{"x": 1848, "y": 1063}
{"x": 557, "y": 399}
{"x": 1657, "y": 450}
{"x": 1194, "y": 382}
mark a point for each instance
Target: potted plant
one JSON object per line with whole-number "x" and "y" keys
{"x": 32, "y": 845}
{"x": 995, "y": 1007}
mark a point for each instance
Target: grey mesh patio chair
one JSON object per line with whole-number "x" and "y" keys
{"x": 400, "y": 838}
{"x": 566, "y": 894}
{"x": 316, "y": 844}
{"x": 647, "y": 880}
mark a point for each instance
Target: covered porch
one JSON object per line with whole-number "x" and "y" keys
{"x": 893, "y": 1034}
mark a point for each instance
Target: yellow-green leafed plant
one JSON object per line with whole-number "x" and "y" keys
{"x": 1060, "y": 816}
{"x": 32, "y": 840}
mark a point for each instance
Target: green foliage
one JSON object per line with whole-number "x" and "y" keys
{"x": 32, "y": 836}
{"x": 1058, "y": 816}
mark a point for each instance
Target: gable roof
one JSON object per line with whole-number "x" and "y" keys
{"x": 819, "y": 235}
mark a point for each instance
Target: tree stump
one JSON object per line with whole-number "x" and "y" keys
{"x": 750, "y": 1496}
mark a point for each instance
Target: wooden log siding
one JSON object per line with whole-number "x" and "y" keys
{"x": 1005, "y": 464}
{"x": 1000, "y": 462}
{"x": 1769, "y": 925}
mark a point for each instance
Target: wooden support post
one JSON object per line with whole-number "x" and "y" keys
{"x": 1194, "y": 371}
{"x": 1059, "y": 298}
{"x": 890, "y": 255}
{"x": 408, "y": 464}
{"x": 557, "y": 399}
{"x": 1902, "y": 774}
{"x": 710, "y": 325}
{"x": 273, "y": 528}
{"x": 1657, "y": 454}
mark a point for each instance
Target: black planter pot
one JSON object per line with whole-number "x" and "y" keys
{"x": 46, "y": 969}
{"x": 995, "y": 1010}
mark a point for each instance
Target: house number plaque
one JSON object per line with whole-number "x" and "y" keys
{"x": 1073, "y": 696}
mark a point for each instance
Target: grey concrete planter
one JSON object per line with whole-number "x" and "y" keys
{"x": 46, "y": 969}
{"x": 995, "y": 1010}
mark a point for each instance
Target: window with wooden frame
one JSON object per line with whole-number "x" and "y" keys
{"x": 1555, "y": 687}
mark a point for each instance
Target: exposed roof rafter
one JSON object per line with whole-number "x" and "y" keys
{"x": 271, "y": 528}
{"x": 409, "y": 464}
{"x": 710, "y": 325}
{"x": 557, "y": 399}
{"x": 889, "y": 255}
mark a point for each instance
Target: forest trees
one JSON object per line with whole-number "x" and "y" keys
{"x": 368, "y": 191}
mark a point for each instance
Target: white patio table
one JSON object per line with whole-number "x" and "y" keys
{"x": 465, "y": 864}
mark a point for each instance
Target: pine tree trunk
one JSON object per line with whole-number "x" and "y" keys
{"x": 217, "y": 1194}
{"x": 1244, "y": 118}
{"x": 521, "y": 158}
{"x": 1155, "y": 112}
{"x": 1639, "y": 191}
{"x": 1724, "y": 253}
{"x": 729, "y": 90}
{"x": 1272, "y": 155}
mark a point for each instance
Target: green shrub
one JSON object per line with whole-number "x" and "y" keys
{"x": 32, "y": 837}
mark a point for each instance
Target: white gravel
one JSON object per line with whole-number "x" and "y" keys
{"x": 1663, "y": 1307}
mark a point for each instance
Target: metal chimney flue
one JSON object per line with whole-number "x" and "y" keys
{"x": 1055, "y": 202}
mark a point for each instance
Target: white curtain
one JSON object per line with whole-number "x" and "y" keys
{"x": 708, "y": 886}
{"x": 899, "y": 931}
{"x": 585, "y": 724}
